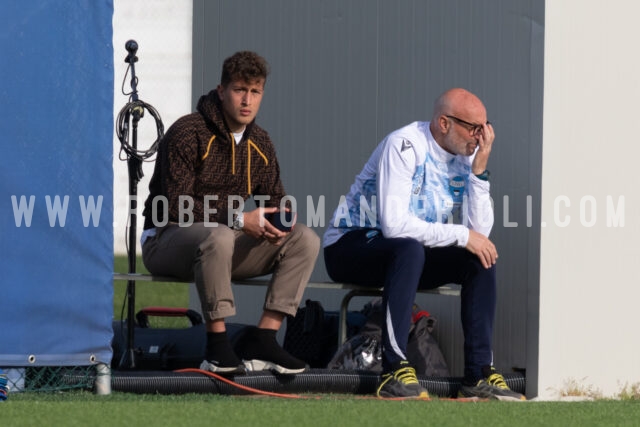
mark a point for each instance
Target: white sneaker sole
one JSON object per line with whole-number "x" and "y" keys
{"x": 208, "y": 366}
{"x": 264, "y": 365}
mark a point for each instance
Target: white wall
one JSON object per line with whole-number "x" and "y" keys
{"x": 590, "y": 280}
{"x": 162, "y": 29}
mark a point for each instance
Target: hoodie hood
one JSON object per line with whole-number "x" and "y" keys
{"x": 210, "y": 107}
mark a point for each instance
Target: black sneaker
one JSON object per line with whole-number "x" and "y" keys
{"x": 402, "y": 383}
{"x": 492, "y": 387}
{"x": 260, "y": 351}
{"x": 219, "y": 356}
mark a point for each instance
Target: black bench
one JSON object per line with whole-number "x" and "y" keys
{"x": 354, "y": 291}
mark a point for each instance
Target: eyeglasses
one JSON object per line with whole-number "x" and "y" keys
{"x": 473, "y": 129}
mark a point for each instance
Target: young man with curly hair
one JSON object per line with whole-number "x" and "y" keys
{"x": 209, "y": 163}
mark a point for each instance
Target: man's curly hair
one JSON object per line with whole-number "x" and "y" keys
{"x": 246, "y": 66}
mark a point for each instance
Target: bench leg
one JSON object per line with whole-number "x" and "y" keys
{"x": 344, "y": 309}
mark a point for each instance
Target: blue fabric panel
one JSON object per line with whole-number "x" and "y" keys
{"x": 56, "y": 125}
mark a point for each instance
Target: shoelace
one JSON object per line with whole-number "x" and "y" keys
{"x": 406, "y": 375}
{"x": 497, "y": 380}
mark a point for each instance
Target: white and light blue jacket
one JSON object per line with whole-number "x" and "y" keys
{"x": 411, "y": 187}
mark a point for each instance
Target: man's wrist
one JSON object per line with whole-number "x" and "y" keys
{"x": 238, "y": 221}
{"x": 484, "y": 176}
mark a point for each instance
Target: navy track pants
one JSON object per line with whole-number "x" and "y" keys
{"x": 403, "y": 265}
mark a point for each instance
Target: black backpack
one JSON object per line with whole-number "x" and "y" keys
{"x": 312, "y": 334}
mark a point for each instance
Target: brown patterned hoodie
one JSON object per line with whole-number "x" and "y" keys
{"x": 198, "y": 157}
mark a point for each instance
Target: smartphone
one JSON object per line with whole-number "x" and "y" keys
{"x": 283, "y": 220}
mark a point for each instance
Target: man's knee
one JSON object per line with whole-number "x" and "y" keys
{"x": 476, "y": 267}
{"x": 478, "y": 274}
{"x": 305, "y": 241}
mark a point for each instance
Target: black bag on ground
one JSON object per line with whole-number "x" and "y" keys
{"x": 161, "y": 348}
{"x": 364, "y": 350}
{"x": 312, "y": 335}
{"x": 165, "y": 348}
{"x": 423, "y": 350}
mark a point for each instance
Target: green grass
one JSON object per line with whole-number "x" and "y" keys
{"x": 147, "y": 294}
{"x": 82, "y": 408}
{"x": 120, "y": 409}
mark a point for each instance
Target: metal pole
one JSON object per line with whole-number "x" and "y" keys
{"x": 135, "y": 173}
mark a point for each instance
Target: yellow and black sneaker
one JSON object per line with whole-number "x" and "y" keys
{"x": 402, "y": 383}
{"x": 492, "y": 386}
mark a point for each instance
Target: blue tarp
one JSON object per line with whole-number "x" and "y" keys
{"x": 56, "y": 125}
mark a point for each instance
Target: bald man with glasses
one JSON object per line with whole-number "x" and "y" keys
{"x": 417, "y": 217}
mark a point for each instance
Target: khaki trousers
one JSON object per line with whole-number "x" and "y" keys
{"x": 214, "y": 256}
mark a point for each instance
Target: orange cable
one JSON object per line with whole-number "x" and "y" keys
{"x": 297, "y": 396}
{"x": 240, "y": 386}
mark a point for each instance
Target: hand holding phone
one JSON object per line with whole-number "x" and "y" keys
{"x": 282, "y": 220}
